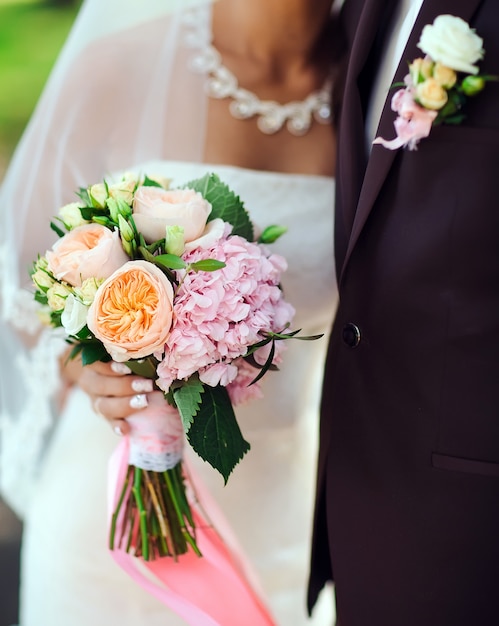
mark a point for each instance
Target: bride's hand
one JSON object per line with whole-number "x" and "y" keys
{"x": 114, "y": 392}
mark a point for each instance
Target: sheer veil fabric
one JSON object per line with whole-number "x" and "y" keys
{"x": 138, "y": 90}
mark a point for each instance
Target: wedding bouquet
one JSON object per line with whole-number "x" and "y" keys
{"x": 172, "y": 283}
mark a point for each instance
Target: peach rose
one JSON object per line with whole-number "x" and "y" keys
{"x": 444, "y": 75}
{"x": 89, "y": 251}
{"x": 155, "y": 208}
{"x": 132, "y": 311}
{"x": 431, "y": 94}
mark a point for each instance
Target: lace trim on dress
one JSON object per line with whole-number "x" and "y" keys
{"x": 30, "y": 381}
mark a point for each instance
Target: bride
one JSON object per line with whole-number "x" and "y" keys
{"x": 154, "y": 87}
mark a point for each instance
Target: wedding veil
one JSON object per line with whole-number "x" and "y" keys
{"x": 120, "y": 94}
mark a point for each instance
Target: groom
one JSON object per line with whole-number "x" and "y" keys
{"x": 407, "y": 509}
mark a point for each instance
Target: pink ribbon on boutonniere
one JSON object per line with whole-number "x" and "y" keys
{"x": 213, "y": 590}
{"x": 412, "y": 124}
{"x": 434, "y": 93}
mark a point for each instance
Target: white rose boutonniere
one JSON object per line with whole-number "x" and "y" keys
{"x": 435, "y": 89}
{"x": 453, "y": 43}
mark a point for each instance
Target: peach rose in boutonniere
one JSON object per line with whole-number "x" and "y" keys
{"x": 434, "y": 93}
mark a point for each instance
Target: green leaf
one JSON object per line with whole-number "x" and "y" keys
{"x": 56, "y": 229}
{"x": 75, "y": 351}
{"x": 272, "y": 233}
{"x": 41, "y": 297}
{"x": 144, "y": 367}
{"x": 146, "y": 255}
{"x": 188, "y": 399}
{"x": 92, "y": 352}
{"x": 84, "y": 334}
{"x": 84, "y": 196}
{"x": 215, "y": 434}
{"x": 225, "y": 204}
{"x": 170, "y": 261}
{"x": 207, "y": 265}
{"x": 88, "y": 213}
{"x": 267, "y": 365}
{"x": 148, "y": 182}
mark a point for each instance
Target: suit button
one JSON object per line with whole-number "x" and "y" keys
{"x": 351, "y": 335}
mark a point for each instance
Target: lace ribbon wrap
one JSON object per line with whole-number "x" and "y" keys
{"x": 157, "y": 436}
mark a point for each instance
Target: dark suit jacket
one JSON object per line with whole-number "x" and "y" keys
{"x": 407, "y": 510}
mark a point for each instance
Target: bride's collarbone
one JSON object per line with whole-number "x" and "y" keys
{"x": 239, "y": 142}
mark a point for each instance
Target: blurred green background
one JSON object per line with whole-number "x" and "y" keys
{"x": 31, "y": 34}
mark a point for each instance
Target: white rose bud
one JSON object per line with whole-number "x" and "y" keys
{"x": 127, "y": 235}
{"x": 453, "y": 43}
{"x": 71, "y": 215}
{"x": 57, "y": 295}
{"x": 98, "y": 195}
{"x": 124, "y": 188}
{"x": 86, "y": 293}
{"x": 42, "y": 279}
{"x": 117, "y": 206}
{"x": 41, "y": 263}
{"x": 174, "y": 240}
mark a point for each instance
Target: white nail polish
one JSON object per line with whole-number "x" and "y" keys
{"x": 142, "y": 385}
{"x": 118, "y": 431}
{"x": 120, "y": 368}
{"x": 139, "y": 401}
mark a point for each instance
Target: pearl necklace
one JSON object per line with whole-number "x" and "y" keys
{"x": 271, "y": 116}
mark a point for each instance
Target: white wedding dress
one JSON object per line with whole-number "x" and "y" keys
{"x": 68, "y": 576}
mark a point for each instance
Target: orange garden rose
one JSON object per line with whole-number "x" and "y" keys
{"x": 89, "y": 251}
{"x": 132, "y": 311}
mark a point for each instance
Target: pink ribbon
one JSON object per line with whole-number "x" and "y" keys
{"x": 216, "y": 589}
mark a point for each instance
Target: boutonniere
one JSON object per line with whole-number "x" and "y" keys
{"x": 437, "y": 85}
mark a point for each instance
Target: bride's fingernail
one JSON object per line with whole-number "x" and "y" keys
{"x": 142, "y": 385}
{"x": 139, "y": 401}
{"x": 120, "y": 368}
{"x": 118, "y": 431}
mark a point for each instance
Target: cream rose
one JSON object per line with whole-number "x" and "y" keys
{"x": 420, "y": 69}
{"x": 70, "y": 214}
{"x": 42, "y": 279}
{"x": 155, "y": 208}
{"x": 56, "y": 296}
{"x": 124, "y": 188}
{"x": 444, "y": 75}
{"x": 132, "y": 311}
{"x": 89, "y": 251}
{"x": 453, "y": 43}
{"x": 431, "y": 94}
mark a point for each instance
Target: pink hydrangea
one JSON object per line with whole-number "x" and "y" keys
{"x": 218, "y": 315}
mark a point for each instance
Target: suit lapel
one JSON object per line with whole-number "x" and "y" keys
{"x": 381, "y": 159}
{"x": 352, "y": 160}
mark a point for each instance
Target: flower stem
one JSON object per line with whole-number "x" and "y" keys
{"x": 117, "y": 511}
{"x": 142, "y": 512}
